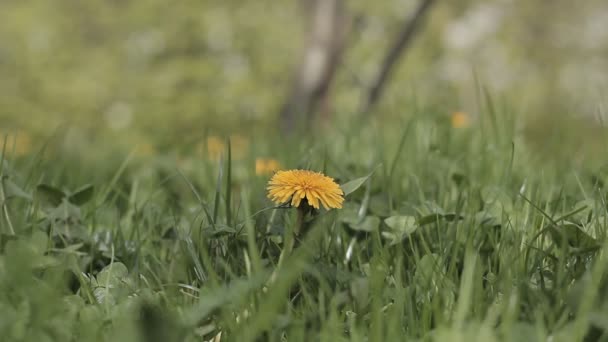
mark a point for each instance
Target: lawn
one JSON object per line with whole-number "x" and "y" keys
{"x": 142, "y": 198}
{"x": 448, "y": 231}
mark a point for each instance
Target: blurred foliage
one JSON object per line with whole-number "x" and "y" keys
{"x": 125, "y": 64}
{"x": 169, "y": 73}
{"x": 100, "y": 244}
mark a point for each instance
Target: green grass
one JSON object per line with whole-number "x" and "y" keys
{"x": 457, "y": 235}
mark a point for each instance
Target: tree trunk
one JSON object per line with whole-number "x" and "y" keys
{"x": 325, "y": 34}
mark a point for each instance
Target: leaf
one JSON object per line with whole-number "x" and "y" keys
{"x": 112, "y": 275}
{"x": 82, "y": 195}
{"x": 429, "y": 219}
{"x": 350, "y": 212}
{"x": 577, "y": 291}
{"x": 216, "y": 298}
{"x": 170, "y": 234}
{"x": 67, "y": 222}
{"x": 219, "y": 231}
{"x": 353, "y": 185}
{"x": 584, "y": 212}
{"x": 368, "y": 224}
{"x": 13, "y": 190}
{"x": 496, "y": 200}
{"x": 426, "y": 270}
{"x": 430, "y": 208}
{"x": 74, "y": 303}
{"x": 102, "y": 295}
{"x": 401, "y": 226}
{"x": 379, "y": 205}
{"x": 452, "y": 217}
{"x": 521, "y": 331}
{"x": 434, "y": 218}
{"x": 39, "y": 241}
{"x": 49, "y": 195}
{"x": 405, "y": 224}
{"x": 459, "y": 178}
{"x": 486, "y": 219}
{"x": 359, "y": 289}
{"x": 574, "y": 236}
{"x": 112, "y": 283}
{"x": 72, "y": 248}
{"x": 4, "y": 238}
{"x": 156, "y": 324}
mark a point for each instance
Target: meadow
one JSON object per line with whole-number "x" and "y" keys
{"x": 139, "y": 140}
{"x": 446, "y": 233}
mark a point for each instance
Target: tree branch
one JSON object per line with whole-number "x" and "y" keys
{"x": 400, "y": 45}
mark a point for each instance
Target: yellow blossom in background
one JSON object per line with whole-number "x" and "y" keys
{"x": 145, "y": 150}
{"x": 460, "y": 120}
{"x": 314, "y": 187}
{"x": 266, "y": 166}
{"x": 19, "y": 143}
{"x": 215, "y": 147}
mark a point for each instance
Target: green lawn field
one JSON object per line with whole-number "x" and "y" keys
{"x": 138, "y": 141}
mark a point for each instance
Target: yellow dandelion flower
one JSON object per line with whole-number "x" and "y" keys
{"x": 266, "y": 166}
{"x": 20, "y": 143}
{"x": 215, "y": 147}
{"x": 460, "y": 120}
{"x": 296, "y": 185}
{"x": 145, "y": 149}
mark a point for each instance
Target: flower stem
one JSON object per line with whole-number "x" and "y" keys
{"x": 290, "y": 236}
{"x": 300, "y": 220}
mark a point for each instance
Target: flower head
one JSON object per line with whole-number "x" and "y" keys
{"x": 266, "y": 166}
{"x": 296, "y": 185}
{"x": 145, "y": 149}
{"x": 215, "y": 147}
{"x": 460, "y": 120}
{"x": 20, "y": 143}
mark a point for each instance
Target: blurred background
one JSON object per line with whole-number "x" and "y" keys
{"x": 158, "y": 74}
